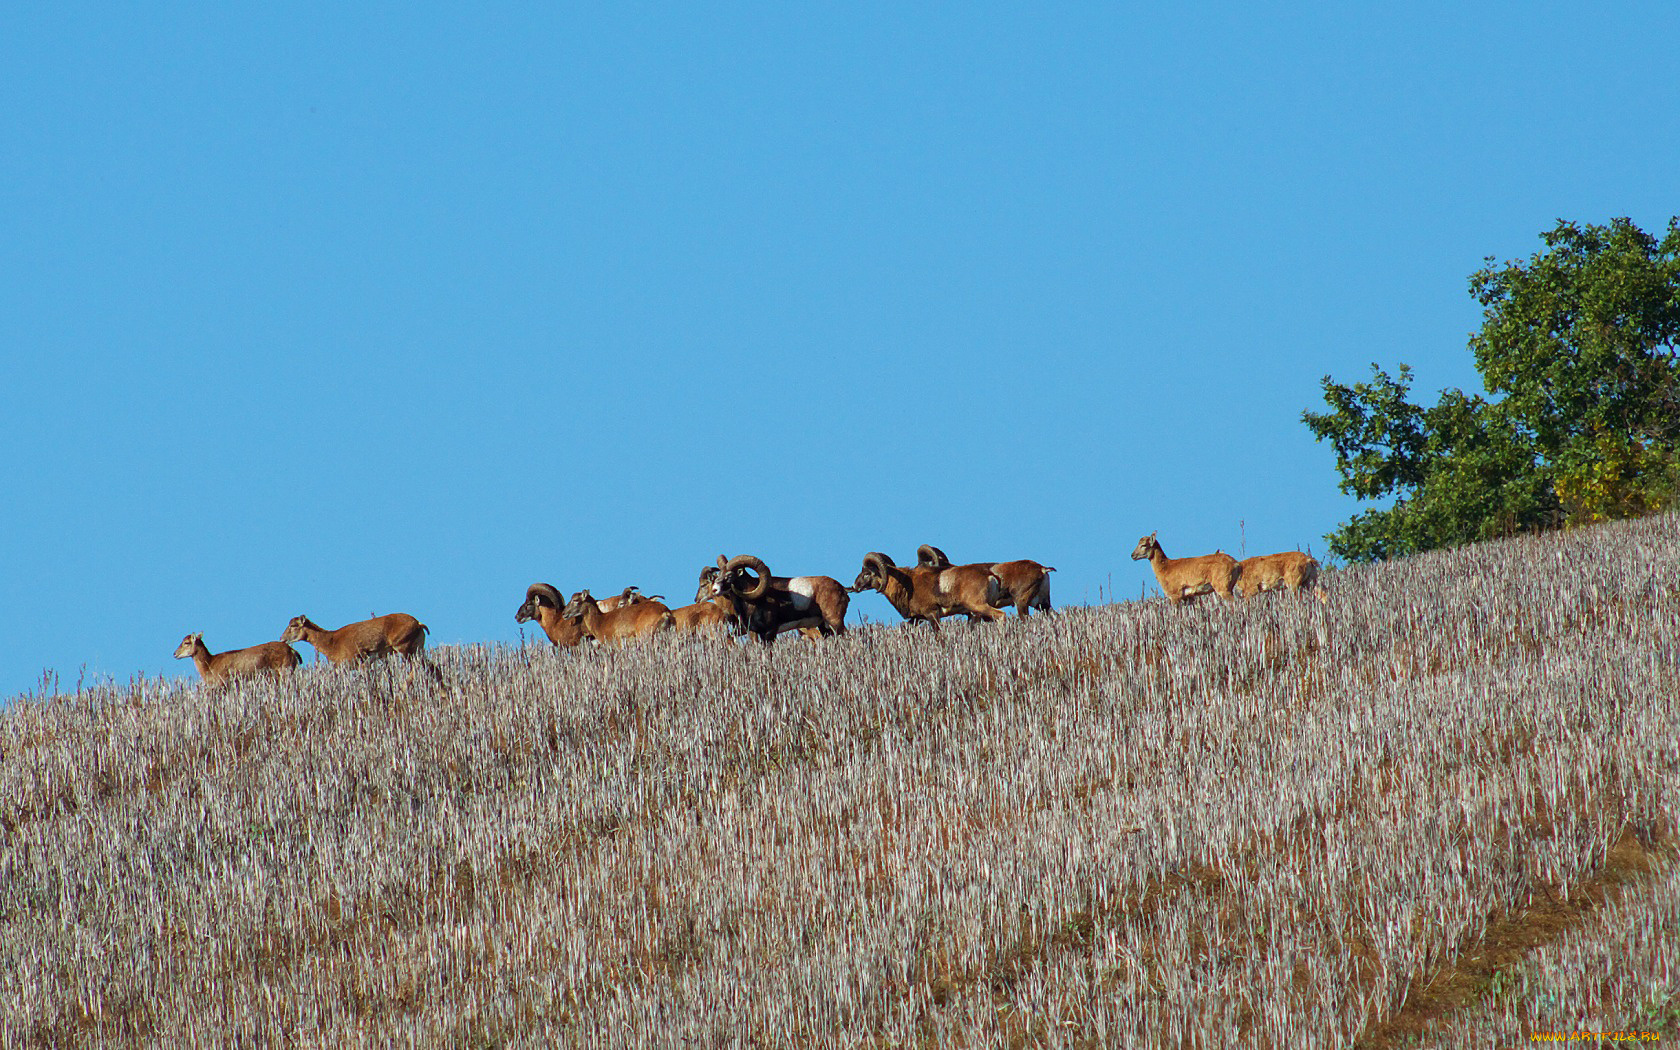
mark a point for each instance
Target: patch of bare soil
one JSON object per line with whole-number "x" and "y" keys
{"x": 1510, "y": 937}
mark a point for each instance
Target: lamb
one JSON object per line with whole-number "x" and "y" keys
{"x": 700, "y": 616}
{"x": 628, "y": 596}
{"x": 707, "y": 612}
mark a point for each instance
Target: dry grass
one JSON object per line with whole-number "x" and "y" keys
{"x": 1438, "y": 810}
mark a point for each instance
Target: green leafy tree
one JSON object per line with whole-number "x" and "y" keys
{"x": 1579, "y": 351}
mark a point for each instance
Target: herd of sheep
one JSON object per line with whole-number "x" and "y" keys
{"x": 739, "y": 595}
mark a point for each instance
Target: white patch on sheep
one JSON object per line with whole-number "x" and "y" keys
{"x": 803, "y": 589}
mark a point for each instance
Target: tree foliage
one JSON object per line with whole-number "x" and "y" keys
{"x": 1579, "y": 352}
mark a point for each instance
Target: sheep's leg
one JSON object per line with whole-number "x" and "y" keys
{"x": 430, "y": 668}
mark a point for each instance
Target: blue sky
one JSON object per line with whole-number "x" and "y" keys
{"x": 342, "y": 309}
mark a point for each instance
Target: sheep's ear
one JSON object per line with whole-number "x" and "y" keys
{"x": 723, "y": 563}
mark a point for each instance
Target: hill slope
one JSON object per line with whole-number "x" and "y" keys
{"x": 1276, "y": 824}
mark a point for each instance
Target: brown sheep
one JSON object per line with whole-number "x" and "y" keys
{"x": 702, "y": 616}
{"x": 628, "y": 596}
{"x": 1291, "y": 570}
{"x": 544, "y": 604}
{"x": 1185, "y": 578}
{"x": 1026, "y": 583}
{"x": 269, "y": 656}
{"x": 920, "y": 593}
{"x": 392, "y": 633}
{"x": 629, "y": 621}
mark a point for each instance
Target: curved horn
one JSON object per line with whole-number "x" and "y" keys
{"x": 878, "y": 563}
{"x": 704, "y": 591}
{"x": 535, "y": 595}
{"x": 932, "y": 557}
{"x": 747, "y": 561}
{"x": 547, "y": 592}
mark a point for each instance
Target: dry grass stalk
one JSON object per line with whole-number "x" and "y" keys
{"x": 1274, "y": 825}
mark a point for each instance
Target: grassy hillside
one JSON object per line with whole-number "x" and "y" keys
{"x": 1439, "y": 809}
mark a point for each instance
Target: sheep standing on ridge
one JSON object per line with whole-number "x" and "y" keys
{"x": 626, "y": 621}
{"x": 719, "y": 614}
{"x": 1026, "y": 583}
{"x": 767, "y": 605}
{"x": 393, "y": 633}
{"x": 702, "y": 616}
{"x": 269, "y": 656}
{"x": 629, "y": 596}
{"x": 1185, "y": 578}
{"x": 920, "y": 593}
{"x": 544, "y": 604}
{"x": 1291, "y": 570}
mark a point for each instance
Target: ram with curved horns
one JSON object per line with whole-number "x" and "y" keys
{"x": 767, "y": 605}
{"x": 724, "y": 610}
{"x": 1026, "y": 583}
{"x": 543, "y": 603}
{"x": 920, "y": 593}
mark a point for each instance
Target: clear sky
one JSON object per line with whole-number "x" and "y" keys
{"x": 339, "y": 309}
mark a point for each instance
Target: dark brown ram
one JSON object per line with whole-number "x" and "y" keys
{"x": 767, "y": 605}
